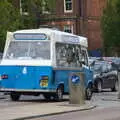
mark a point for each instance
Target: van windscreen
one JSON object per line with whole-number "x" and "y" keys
{"x": 28, "y": 50}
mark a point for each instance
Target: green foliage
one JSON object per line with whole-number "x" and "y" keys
{"x": 35, "y": 9}
{"x": 9, "y": 20}
{"x": 110, "y": 24}
{"x": 51, "y": 5}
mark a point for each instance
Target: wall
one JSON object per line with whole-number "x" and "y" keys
{"x": 94, "y": 10}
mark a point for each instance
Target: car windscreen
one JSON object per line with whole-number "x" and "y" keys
{"x": 28, "y": 50}
{"x": 97, "y": 68}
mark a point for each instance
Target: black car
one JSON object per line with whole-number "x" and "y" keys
{"x": 105, "y": 76}
{"x": 116, "y": 64}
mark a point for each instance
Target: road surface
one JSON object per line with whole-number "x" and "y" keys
{"x": 108, "y": 107}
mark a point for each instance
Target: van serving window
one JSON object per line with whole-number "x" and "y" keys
{"x": 30, "y": 36}
{"x": 68, "y": 55}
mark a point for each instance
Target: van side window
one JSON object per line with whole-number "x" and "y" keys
{"x": 68, "y": 55}
{"x": 84, "y": 58}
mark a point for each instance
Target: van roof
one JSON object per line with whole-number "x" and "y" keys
{"x": 81, "y": 40}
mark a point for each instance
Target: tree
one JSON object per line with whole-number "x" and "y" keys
{"x": 35, "y": 9}
{"x": 110, "y": 24}
{"x": 9, "y": 20}
{"x": 12, "y": 19}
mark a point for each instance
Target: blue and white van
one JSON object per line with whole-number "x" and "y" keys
{"x": 39, "y": 61}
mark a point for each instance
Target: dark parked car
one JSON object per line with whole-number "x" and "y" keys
{"x": 116, "y": 64}
{"x": 105, "y": 76}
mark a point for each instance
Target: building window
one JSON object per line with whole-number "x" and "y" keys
{"x": 48, "y": 6}
{"x": 67, "y": 5}
{"x": 45, "y": 7}
{"x": 68, "y": 28}
{"x": 23, "y": 7}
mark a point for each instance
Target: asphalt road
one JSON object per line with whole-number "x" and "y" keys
{"x": 95, "y": 114}
{"x": 108, "y": 107}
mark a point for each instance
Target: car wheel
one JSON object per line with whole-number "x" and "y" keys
{"x": 88, "y": 92}
{"x": 99, "y": 86}
{"x": 59, "y": 94}
{"x": 116, "y": 86}
{"x": 14, "y": 96}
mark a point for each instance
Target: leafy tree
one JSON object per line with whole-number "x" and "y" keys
{"x": 9, "y": 20}
{"x": 36, "y": 8}
{"x": 110, "y": 24}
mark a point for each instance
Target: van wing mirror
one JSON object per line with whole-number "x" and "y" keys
{"x": 92, "y": 64}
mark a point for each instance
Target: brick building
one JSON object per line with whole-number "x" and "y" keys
{"x": 93, "y": 12}
{"x": 81, "y": 17}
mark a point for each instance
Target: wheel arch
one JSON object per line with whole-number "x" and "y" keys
{"x": 60, "y": 85}
{"x": 90, "y": 84}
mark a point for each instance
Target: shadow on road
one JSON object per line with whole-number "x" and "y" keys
{"x": 40, "y": 99}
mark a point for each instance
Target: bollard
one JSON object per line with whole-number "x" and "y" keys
{"x": 119, "y": 85}
{"x": 76, "y": 88}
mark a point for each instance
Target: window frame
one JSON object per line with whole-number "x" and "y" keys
{"x": 44, "y": 11}
{"x": 71, "y": 27}
{"x": 21, "y": 9}
{"x": 65, "y": 8}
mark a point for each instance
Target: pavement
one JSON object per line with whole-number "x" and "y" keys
{"x": 36, "y": 110}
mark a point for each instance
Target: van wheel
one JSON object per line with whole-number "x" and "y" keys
{"x": 14, "y": 96}
{"x": 116, "y": 86}
{"x": 59, "y": 93}
{"x": 88, "y": 92}
{"x": 99, "y": 86}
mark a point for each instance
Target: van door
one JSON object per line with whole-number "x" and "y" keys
{"x": 88, "y": 72}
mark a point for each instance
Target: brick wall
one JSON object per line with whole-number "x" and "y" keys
{"x": 85, "y": 19}
{"x": 88, "y": 24}
{"x": 94, "y": 7}
{"x": 94, "y": 10}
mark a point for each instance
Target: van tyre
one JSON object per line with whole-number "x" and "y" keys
{"x": 88, "y": 93}
{"x": 47, "y": 96}
{"x": 15, "y": 96}
{"x": 59, "y": 93}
